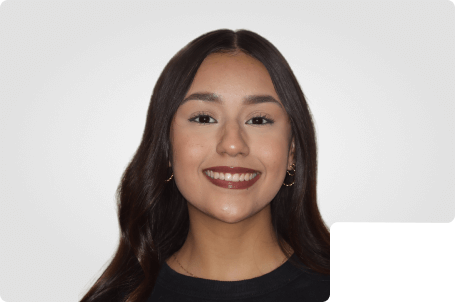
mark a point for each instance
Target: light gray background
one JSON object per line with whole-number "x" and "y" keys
{"x": 76, "y": 79}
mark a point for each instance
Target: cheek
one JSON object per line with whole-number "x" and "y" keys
{"x": 188, "y": 151}
{"x": 273, "y": 152}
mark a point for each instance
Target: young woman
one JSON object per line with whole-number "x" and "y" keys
{"x": 219, "y": 201}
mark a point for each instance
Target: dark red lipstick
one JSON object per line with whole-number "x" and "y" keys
{"x": 232, "y": 170}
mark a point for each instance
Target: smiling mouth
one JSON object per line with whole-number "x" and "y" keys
{"x": 232, "y": 180}
{"x": 234, "y": 177}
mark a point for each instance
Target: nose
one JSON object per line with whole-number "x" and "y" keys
{"x": 232, "y": 140}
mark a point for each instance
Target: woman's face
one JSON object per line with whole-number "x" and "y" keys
{"x": 231, "y": 117}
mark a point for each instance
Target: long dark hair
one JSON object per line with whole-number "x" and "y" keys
{"x": 153, "y": 215}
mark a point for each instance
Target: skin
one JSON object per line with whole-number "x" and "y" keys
{"x": 231, "y": 235}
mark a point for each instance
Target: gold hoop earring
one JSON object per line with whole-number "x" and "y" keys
{"x": 168, "y": 180}
{"x": 171, "y": 175}
{"x": 289, "y": 173}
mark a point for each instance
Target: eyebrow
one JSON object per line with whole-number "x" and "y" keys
{"x": 248, "y": 100}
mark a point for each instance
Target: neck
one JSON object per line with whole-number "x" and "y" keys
{"x": 228, "y": 251}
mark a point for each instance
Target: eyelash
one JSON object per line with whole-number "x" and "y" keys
{"x": 265, "y": 117}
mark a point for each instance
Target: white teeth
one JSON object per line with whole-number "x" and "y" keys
{"x": 231, "y": 177}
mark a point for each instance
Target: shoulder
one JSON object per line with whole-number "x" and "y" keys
{"x": 306, "y": 285}
{"x": 310, "y": 286}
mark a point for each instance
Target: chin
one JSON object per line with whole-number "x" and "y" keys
{"x": 233, "y": 214}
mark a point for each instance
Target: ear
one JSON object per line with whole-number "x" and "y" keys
{"x": 291, "y": 155}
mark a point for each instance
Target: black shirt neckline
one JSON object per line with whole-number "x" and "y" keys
{"x": 213, "y": 289}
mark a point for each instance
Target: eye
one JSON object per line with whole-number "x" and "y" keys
{"x": 260, "y": 118}
{"x": 204, "y": 119}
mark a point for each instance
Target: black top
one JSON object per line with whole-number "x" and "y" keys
{"x": 286, "y": 283}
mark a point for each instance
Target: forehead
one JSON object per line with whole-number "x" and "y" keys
{"x": 226, "y": 61}
{"x": 232, "y": 75}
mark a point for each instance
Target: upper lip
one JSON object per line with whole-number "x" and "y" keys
{"x": 226, "y": 169}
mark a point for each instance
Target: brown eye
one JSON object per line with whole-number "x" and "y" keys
{"x": 202, "y": 119}
{"x": 260, "y": 120}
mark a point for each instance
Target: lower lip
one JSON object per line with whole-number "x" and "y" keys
{"x": 233, "y": 184}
